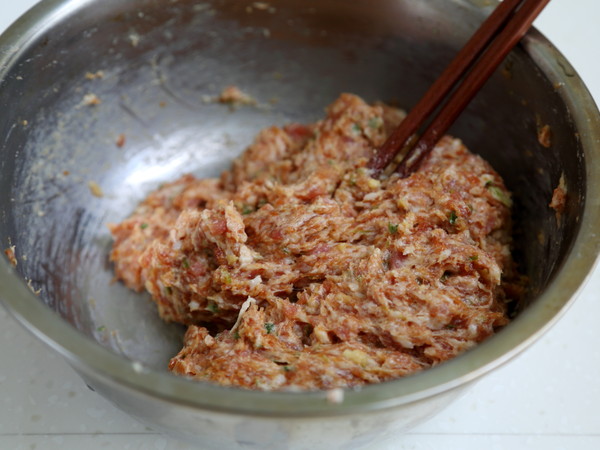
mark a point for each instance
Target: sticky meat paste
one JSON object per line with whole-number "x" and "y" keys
{"x": 298, "y": 270}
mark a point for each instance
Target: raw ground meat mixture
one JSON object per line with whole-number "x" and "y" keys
{"x": 298, "y": 270}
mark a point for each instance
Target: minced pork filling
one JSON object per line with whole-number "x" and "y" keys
{"x": 298, "y": 270}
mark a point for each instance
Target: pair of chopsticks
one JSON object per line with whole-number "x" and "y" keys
{"x": 474, "y": 64}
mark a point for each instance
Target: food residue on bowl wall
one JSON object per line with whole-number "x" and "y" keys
{"x": 233, "y": 95}
{"x": 94, "y": 75}
{"x": 10, "y": 254}
{"x": 91, "y": 100}
{"x": 545, "y": 136}
{"x": 120, "y": 142}
{"x": 559, "y": 197}
{"x": 95, "y": 189}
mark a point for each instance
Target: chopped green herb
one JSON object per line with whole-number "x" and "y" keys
{"x": 185, "y": 263}
{"x": 473, "y": 257}
{"x": 445, "y": 276}
{"x": 226, "y": 276}
{"x": 450, "y": 326}
{"x": 356, "y": 128}
{"x": 212, "y": 307}
{"x": 287, "y": 368}
{"x": 262, "y": 202}
{"x": 375, "y": 122}
{"x": 270, "y": 327}
{"x": 286, "y": 250}
{"x": 393, "y": 229}
{"x": 143, "y": 226}
{"x": 247, "y": 209}
{"x": 236, "y": 335}
{"x": 499, "y": 194}
{"x": 101, "y": 329}
{"x": 452, "y": 217}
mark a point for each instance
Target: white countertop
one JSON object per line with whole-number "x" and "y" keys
{"x": 547, "y": 398}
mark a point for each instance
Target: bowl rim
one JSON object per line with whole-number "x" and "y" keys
{"x": 98, "y": 363}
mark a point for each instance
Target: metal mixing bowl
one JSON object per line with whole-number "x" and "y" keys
{"x": 161, "y": 59}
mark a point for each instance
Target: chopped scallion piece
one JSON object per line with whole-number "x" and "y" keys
{"x": 452, "y": 217}
{"x": 375, "y": 122}
{"x": 499, "y": 194}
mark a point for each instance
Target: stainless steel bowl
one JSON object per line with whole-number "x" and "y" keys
{"x": 161, "y": 59}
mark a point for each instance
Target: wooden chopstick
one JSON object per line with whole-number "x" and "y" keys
{"x": 491, "y": 43}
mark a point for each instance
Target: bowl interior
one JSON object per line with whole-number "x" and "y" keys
{"x": 161, "y": 63}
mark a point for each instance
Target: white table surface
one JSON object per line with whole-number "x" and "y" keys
{"x": 547, "y": 398}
